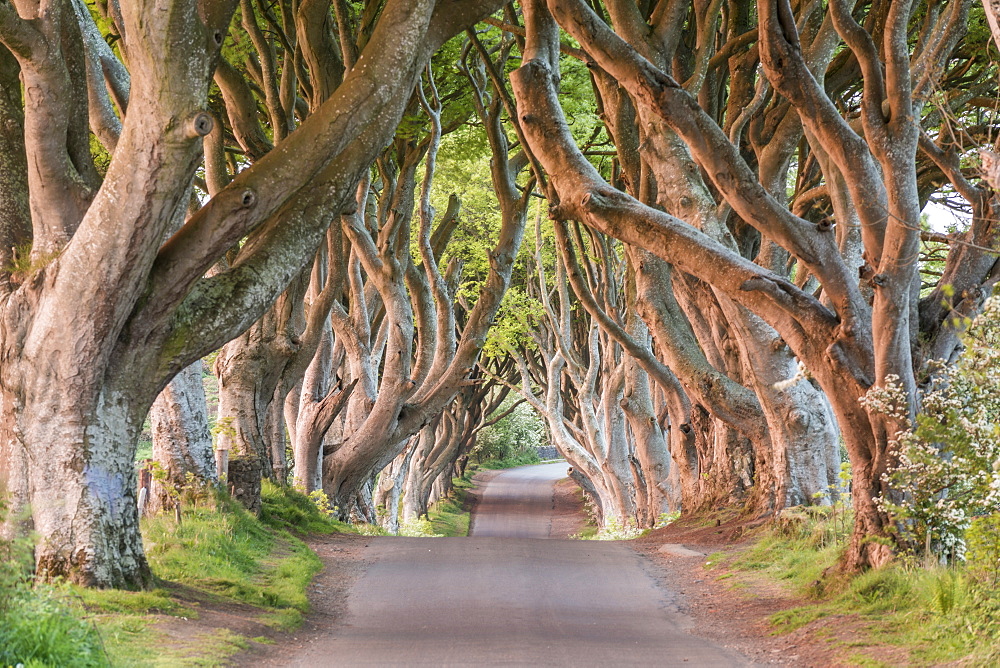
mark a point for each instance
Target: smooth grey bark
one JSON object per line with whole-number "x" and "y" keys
{"x": 182, "y": 443}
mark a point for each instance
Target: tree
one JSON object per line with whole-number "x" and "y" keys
{"x": 108, "y": 312}
{"x": 854, "y": 335}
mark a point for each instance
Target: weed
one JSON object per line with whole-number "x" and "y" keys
{"x": 941, "y": 615}
{"x": 666, "y": 519}
{"x": 284, "y": 508}
{"x": 418, "y": 528}
{"x": 448, "y": 516}
{"x": 370, "y": 530}
{"x": 614, "y": 529}
{"x": 787, "y": 621}
{"x": 43, "y": 628}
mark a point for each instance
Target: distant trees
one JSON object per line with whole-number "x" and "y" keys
{"x": 841, "y": 289}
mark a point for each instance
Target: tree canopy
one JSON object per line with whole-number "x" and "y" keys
{"x": 689, "y": 235}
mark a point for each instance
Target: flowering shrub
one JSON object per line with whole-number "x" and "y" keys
{"x": 949, "y": 461}
{"x": 322, "y": 502}
{"x": 616, "y": 528}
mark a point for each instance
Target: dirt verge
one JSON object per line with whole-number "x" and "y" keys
{"x": 344, "y": 560}
{"x": 734, "y": 608}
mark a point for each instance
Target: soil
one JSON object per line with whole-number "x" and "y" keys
{"x": 343, "y": 559}
{"x": 734, "y": 609}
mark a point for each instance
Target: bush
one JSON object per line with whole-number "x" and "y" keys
{"x": 513, "y": 441}
{"x": 982, "y": 553}
{"x": 949, "y": 461}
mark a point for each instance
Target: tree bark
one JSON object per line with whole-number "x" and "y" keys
{"x": 182, "y": 444}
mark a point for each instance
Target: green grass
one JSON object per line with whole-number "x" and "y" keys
{"x": 134, "y": 641}
{"x": 938, "y": 614}
{"x": 218, "y": 550}
{"x": 449, "y": 516}
{"x": 525, "y": 459}
{"x": 229, "y": 552}
{"x": 42, "y": 627}
{"x": 284, "y": 508}
{"x": 123, "y": 602}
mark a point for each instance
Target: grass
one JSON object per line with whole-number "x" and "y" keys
{"x": 450, "y": 516}
{"x": 284, "y": 508}
{"x": 525, "y": 459}
{"x": 41, "y": 626}
{"x": 937, "y": 615}
{"x": 134, "y": 641}
{"x": 222, "y": 553}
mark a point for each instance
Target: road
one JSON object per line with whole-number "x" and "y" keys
{"x": 517, "y": 503}
{"x": 505, "y": 596}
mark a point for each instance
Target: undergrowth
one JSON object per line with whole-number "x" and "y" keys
{"x": 450, "y": 516}
{"x": 523, "y": 459}
{"x": 940, "y": 614}
{"x": 227, "y": 551}
{"x": 39, "y": 624}
{"x": 219, "y": 551}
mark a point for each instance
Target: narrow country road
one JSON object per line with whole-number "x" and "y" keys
{"x": 518, "y": 503}
{"x": 506, "y": 596}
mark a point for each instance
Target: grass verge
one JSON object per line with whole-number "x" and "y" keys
{"x": 450, "y": 516}
{"x": 931, "y": 615}
{"x": 219, "y": 556}
{"x": 524, "y": 459}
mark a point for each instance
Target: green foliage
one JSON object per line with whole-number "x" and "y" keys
{"x": 23, "y": 264}
{"x": 284, "y": 508}
{"x": 513, "y": 461}
{"x": 39, "y": 625}
{"x": 230, "y": 552}
{"x": 120, "y": 601}
{"x": 982, "y": 554}
{"x": 418, "y": 527}
{"x": 796, "y": 550}
{"x": 949, "y": 462}
{"x": 615, "y": 528}
{"x": 519, "y": 315}
{"x": 41, "y": 628}
{"x": 192, "y": 490}
{"x": 513, "y": 441}
{"x": 450, "y": 516}
{"x": 942, "y": 615}
{"x": 666, "y": 519}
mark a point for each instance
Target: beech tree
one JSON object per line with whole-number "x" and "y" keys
{"x": 736, "y": 266}
{"x": 104, "y": 312}
{"x": 849, "y": 334}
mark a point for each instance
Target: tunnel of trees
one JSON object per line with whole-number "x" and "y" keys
{"x": 688, "y": 234}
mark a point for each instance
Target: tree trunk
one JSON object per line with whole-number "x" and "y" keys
{"x": 82, "y": 493}
{"x": 182, "y": 443}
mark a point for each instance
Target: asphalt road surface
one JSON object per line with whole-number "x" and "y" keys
{"x": 506, "y": 596}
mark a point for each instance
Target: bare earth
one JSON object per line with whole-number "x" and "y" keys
{"x": 735, "y": 610}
